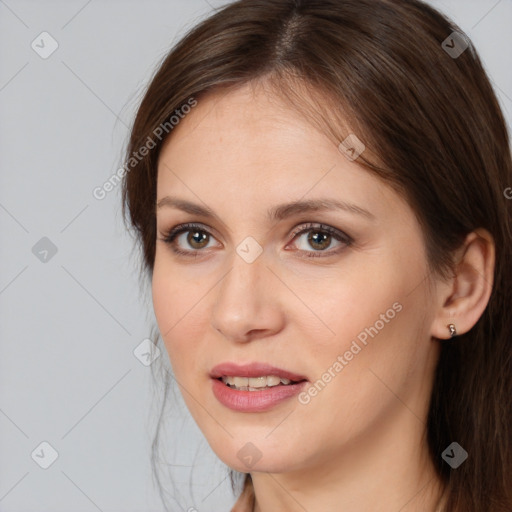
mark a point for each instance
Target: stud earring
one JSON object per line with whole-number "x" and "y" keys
{"x": 453, "y": 331}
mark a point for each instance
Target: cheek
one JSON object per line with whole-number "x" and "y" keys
{"x": 383, "y": 355}
{"x": 380, "y": 298}
{"x": 357, "y": 383}
{"x": 163, "y": 289}
{"x": 177, "y": 308}
{"x": 377, "y": 318}
{"x": 350, "y": 305}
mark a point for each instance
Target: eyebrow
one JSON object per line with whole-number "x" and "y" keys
{"x": 275, "y": 213}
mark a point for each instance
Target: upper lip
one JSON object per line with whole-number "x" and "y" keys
{"x": 252, "y": 370}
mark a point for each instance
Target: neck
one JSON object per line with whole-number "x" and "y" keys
{"x": 382, "y": 471}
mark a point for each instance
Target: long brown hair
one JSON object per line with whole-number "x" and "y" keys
{"x": 433, "y": 129}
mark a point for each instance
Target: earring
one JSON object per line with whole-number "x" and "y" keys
{"x": 453, "y": 331}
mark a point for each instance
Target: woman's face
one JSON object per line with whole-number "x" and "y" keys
{"x": 347, "y": 310}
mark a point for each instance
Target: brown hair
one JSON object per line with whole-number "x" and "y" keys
{"x": 434, "y": 127}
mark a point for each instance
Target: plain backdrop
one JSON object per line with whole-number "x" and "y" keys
{"x": 72, "y": 314}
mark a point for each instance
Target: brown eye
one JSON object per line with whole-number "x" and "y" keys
{"x": 320, "y": 238}
{"x": 196, "y": 238}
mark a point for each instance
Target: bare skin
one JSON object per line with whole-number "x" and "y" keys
{"x": 358, "y": 444}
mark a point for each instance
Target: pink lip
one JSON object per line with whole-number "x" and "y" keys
{"x": 252, "y": 370}
{"x": 253, "y": 401}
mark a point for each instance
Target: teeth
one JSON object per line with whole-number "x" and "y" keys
{"x": 257, "y": 382}
{"x": 273, "y": 380}
{"x": 254, "y": 383}
{"x": 240, "y": 381}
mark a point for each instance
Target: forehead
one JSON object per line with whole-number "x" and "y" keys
{"x": 244, "y": 119}
{"x": 249, "y": 148}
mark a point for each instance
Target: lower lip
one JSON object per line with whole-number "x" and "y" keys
{"x": 254, "y": 401}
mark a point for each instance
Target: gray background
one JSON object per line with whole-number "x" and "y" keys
{"x": 70, "y": 324}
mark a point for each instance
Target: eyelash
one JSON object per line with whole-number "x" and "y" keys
{"x": 171, "y": 235}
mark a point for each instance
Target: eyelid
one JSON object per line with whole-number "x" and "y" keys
{"x": 170, "y": 236}
{"x": 310, "y": 226}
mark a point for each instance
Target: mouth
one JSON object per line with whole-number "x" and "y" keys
{"x": 263, "y": 380}
{"x": 254, "y": 387}
{"x": 254, "y": 370}
{"x": 257, "y": 383}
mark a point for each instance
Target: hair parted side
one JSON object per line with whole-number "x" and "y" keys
{"x": 433, "y": 129}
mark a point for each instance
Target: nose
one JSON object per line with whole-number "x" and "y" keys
{"x": 247, "y": 305}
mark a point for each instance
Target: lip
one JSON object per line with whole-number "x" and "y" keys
{"x": 252, "y": 370}
{"x": 253, "y": 401}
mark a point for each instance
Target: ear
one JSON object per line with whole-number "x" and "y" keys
{"x": 464, "y": 297}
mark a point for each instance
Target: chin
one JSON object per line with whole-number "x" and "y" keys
{"x": 248, "y": 456}
{"x": 262, "y": 466}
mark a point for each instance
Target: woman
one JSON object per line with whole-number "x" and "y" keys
{"x": 320, "y": 204}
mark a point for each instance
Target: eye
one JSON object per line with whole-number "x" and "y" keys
{"x": 320, "y": 237}
{"x": 196, "y": 237}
